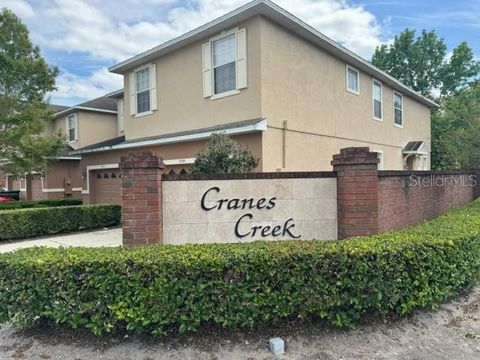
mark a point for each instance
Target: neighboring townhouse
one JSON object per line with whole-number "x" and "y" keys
{"x": 279, "y": 87}
{"x": 83, "y": 124}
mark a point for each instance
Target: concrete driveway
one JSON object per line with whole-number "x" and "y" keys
{"x": 98, "y": 238}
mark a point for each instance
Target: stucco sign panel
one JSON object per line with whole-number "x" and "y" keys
{"x": 227, "y": 211}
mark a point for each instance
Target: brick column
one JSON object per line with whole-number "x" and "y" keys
{"x": 357, "y": 191}
{"x": 476, "y": 183}
{"x": 142, "y": 204}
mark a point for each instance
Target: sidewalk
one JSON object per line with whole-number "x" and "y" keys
{"x": 98, "y": 238}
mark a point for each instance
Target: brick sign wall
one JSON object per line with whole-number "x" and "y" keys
{"x": 226, "y": 211}
{"x": 355, "y": 199}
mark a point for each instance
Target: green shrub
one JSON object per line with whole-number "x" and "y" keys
{"x": 39, "y": 204}
{"x": 182, "y": 288}
{"x": 23, "y": 223}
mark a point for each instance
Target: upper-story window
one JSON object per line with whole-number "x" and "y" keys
{"x": 353, "y": 80}
{"x": 142, "y": 78}
{"x": 72, "y": 127}
{"x": 224, "y": 60}
{"x": 143, "y": 93}
{"x": 377, "y": 100}
{"x": 397, "y": 109}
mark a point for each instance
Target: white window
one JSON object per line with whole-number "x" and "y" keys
{"x": 72, "y": 128}
{"x": 224, "y": 55}
{"x": 353, "y": 80}
{"x": 377, "y": 100}
{"x": 225, "y": 64}
{"x": 142, "y": 80}
{"x": 143, "y": 93}
{"x": 397, "y": 109}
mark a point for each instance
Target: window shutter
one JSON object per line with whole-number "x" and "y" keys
{"x": 207, "y": 69}
{"x": 241, "y": 63}
{"x": 131, "y": 86}
{"x": 75, "y": 117}
{"x": 153, "y": 87}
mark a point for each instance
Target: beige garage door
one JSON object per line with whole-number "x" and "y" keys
{"x": 108, "y": 189}
{"x": 36, "y": 184}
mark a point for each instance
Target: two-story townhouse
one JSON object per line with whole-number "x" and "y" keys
{"x": 82, "y": 125}
{"x": 281, "y": 88}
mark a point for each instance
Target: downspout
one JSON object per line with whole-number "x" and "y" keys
{"x": 284, "y": 144}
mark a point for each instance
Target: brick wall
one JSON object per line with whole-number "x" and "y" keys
{"x": 357, "y": 192}
{"x": 409, "y": 198}
{"x": 142, "y": 215}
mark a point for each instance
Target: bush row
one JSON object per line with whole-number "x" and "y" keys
{"x": 162, "y": 288}
{"x": 39, "y": 204}
{"x": 24, "y": 223}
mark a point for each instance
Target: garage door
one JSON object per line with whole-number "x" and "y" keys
{"x": 108, "y": 188}
{"x": 36, "y": 184}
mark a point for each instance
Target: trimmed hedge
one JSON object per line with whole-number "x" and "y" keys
{"x": 161, "y": 288}
{"x": 24, "y": 223}
{"x": 39, "y": 204}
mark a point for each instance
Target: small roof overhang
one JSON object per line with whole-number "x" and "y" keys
{"x": 415, "y": 148}
{"x": 236, "y": 128}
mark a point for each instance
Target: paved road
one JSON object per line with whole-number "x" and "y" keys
{"x": 109, "y": 237}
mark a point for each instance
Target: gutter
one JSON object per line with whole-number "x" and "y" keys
{"x": 66, "y": 111}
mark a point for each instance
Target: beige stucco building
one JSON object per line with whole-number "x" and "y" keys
{"x": 291, "y": 95}
{"x": 82, "y": 125}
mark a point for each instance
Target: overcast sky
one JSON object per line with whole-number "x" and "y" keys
{"x": 84, "y": 37}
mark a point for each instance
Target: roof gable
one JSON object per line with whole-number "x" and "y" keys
{"x": 285, "y": 19}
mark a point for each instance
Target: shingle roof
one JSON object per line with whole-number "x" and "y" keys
{"x": 119, "y": 142}
{"x": 56, "y": 108}
{"x": 102, "y": 103}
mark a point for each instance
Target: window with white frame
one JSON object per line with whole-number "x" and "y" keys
{"x": 353, "y": 80}
{"x": 142, "y": 89}
{"x": 224, "y": 60}
{"x": 397, "y": 108}
{"x": 72, "y": 128}
{"x": 142, "y": 85}
{"x": 377, "y": 100}
{"x": 224, "y": 55}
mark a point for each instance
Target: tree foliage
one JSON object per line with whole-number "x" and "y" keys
{"x": 456, "y": 131}
{"x": 25, "y": 81}
{"x": 422, "y": 64}
{"x": 222, "y": 155}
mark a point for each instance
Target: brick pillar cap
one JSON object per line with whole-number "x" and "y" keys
{"x": 141, "y": 160}
{"x": 355, "y": 156}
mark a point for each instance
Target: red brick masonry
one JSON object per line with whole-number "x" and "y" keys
{"x": 368, "y": 201}
{"x": 408, "y": 198}
{"x": 357, "y": 192}
{"x": 142, "y": 215}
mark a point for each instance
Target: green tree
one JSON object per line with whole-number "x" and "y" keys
{"x": 25, "y": 81}
{"x": 456, "y": 131}
{"x": 421, "y": 63}
{"x": 223, "y": 155}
